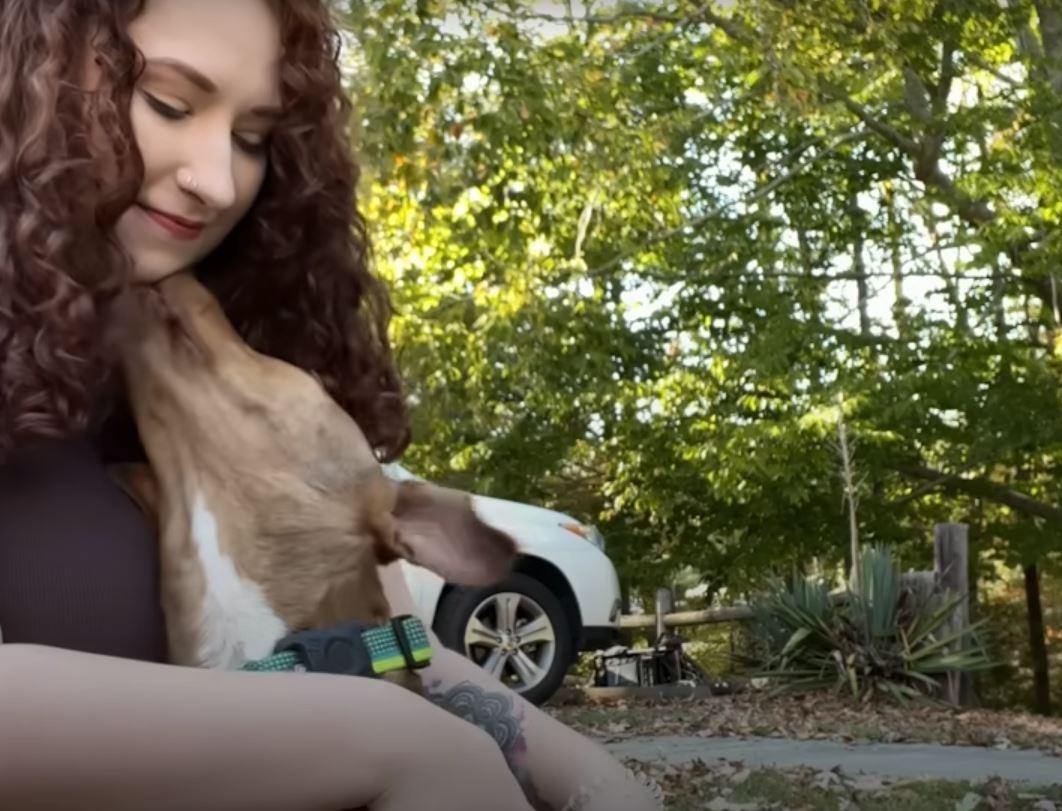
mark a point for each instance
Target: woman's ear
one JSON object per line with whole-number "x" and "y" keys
{"x": 437, "y": 528}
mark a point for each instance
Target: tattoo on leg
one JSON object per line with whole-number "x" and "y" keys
{"x": 494, "y": 713}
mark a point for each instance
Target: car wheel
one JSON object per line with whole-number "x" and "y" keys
{"x": 517, "y": 631}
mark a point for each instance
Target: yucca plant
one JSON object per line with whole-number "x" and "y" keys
{"x": 884, "y": 639}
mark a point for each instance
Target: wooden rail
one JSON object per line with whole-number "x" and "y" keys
{"x": 735, "y": 613}
{"x": 707, "y": 616}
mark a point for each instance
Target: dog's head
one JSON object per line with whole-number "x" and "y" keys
{"x": 299, "y": 486}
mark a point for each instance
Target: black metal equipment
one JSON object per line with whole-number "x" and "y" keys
{"x": 665, "y": 662}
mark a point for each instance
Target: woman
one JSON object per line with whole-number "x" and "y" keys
{"x": 139, "y": 138}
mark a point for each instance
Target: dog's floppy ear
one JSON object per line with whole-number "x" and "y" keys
{"x": 436, "y": 528}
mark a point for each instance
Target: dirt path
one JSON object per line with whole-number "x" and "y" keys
{"x": 902, "y": 760}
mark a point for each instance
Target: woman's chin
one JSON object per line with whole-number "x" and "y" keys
{"x": 152, "y": 276}
{"x": 151, "y": 267}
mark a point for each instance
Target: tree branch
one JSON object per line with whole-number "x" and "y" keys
{"x": 886, "y": 131}
{"x": 1051, "y": 37}
{"x": 926, "y": 164}
{"x": 986, "y": 489}
{"x": 916, "y": 97}
{"x": 758, "y": 194}
{"x": 595, "y": 19}
{"x": 975, "y": 212}
{"x": 926, "y": 161}
{"x": 734, "y": 29}
{"x": 944, "y": 81}
{"x": 985, "y": 65}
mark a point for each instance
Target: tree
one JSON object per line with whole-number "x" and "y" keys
{"x": 638, "y": 251}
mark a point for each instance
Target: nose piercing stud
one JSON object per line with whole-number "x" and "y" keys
{"x": 185, "y": 179}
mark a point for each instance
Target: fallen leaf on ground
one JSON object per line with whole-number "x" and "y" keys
{"x": 740, "y": 777}
{"x": 719, "y": 804}
{"x": 868, "y": 783}
{"x": 826, "y": 780}
{"x": 996, "y": 794}
{"x": 815, "y": 716}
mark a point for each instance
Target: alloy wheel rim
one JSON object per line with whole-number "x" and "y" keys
{"x": 511, "y": 637}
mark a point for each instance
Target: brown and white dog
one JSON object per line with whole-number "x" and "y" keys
{"x": 272, "y": 509}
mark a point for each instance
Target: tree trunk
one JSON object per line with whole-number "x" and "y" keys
{"x": 859, "y": 268}
{"x": 1037, "y": 641}
{"x": 850, "y": 496}
{"x": 900, "y": 301}
{"x": 999, "y": 302}
{"x": 973, "y": 567}
{"x": 951, "y": 285}
{"x": 977, "y": 531}
{"x": 951, "y": 555}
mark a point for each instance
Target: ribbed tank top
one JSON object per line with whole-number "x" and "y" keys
{"x": 78, "y": 559}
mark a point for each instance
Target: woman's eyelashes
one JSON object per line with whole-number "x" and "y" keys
{"x": 165, "y": 110}
{"x": 253, "y": 144}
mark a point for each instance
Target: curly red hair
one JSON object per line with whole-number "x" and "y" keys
{"x": 293, "y": 276}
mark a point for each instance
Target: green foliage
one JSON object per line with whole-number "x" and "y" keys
{"x": 636, "y": 255}
{"x": 887, "y": 640}
{"x": 1002, "y": 607}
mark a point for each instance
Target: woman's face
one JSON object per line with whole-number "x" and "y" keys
{"x": 201, "y": 114}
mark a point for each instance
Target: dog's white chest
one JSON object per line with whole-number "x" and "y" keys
{"x": 237, "y": 623}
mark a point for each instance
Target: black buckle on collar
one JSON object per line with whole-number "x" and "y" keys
{"x": 338, "y": 649}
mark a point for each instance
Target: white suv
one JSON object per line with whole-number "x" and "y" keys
{"x": 562, "y": 597}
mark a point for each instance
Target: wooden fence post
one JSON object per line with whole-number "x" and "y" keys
{"x": 665, "y": 604}
{"x": 950, "y": 562}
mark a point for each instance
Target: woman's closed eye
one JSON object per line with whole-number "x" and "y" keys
{"x": 167, "y": 111}
{"x": 251, "y": 143}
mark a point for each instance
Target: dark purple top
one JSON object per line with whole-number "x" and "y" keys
{"x": 78, "y": 559}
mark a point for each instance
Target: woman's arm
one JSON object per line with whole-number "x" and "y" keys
{"x": 558, "y": 768}
{"x": 85, "y": 731}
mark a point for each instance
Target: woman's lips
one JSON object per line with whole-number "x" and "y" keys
{"x": 172, "y": 225}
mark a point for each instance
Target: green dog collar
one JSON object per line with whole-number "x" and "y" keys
{"x": 354, "y": 648}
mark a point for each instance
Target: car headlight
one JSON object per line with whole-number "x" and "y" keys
{"x": 587, "y": 533}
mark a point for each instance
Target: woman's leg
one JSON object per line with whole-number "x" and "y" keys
{"x": 84, "y": 731}
{"x": 557, "y": 767}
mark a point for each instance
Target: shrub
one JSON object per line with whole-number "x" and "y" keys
{"x": 889, "y": 638}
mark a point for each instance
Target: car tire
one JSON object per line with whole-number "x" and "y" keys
{"x": 533, "y": 664}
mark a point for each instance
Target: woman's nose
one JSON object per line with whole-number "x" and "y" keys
{"x": 209, "y": 175}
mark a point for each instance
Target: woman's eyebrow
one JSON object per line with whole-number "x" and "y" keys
{"x": 187, "y": 71}
{"x": 204, "y": 84}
